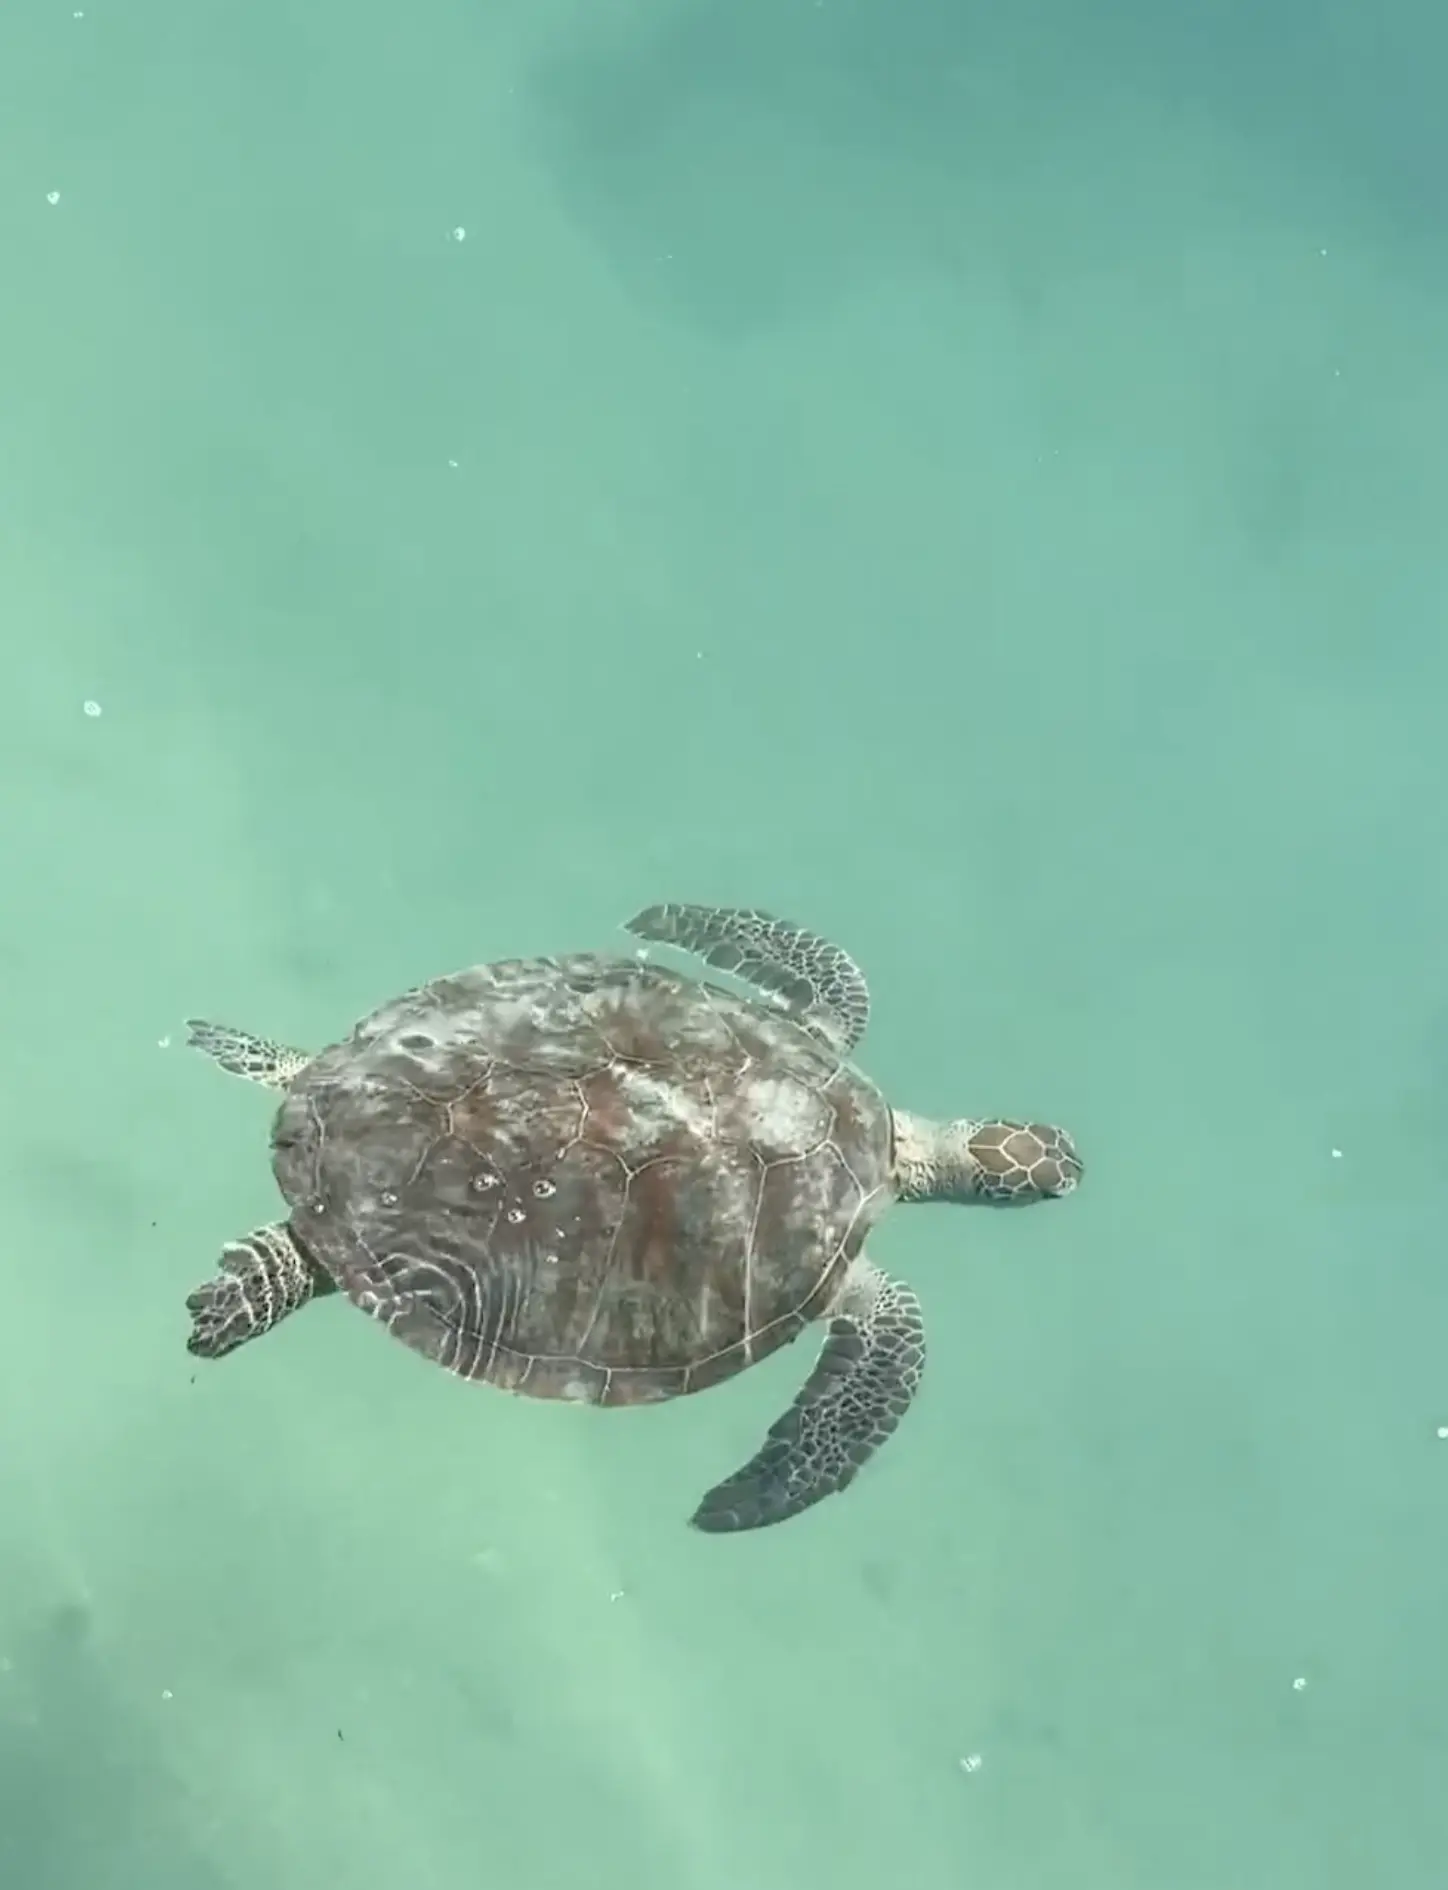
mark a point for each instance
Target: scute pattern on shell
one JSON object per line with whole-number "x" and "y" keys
{"x": 584, "y": 1177}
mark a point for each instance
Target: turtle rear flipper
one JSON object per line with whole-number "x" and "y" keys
{"x": 262, "y": 1278}
{"x": 868, "y": 1370}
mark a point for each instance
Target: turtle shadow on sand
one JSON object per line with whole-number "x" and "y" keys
{"x": 597, "y": 1179}
{"x": 696, "y": 153}
{"x": 738, "y": 162}
{"x": 86, "y": 1796}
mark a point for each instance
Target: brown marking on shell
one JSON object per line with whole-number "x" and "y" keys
{"x": 584, "y": 1178}
{"x": 630, "y": 1038}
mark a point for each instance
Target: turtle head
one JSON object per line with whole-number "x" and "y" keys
{"x": 994, "y": 1163}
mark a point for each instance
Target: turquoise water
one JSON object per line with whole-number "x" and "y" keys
{"x": 970, "y": 479}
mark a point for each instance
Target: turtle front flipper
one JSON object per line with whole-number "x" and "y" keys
{"x": 262, "y": 1279}
{"x": 239, "y": 1053}
{"x": 868, "y": 1370}
{"x": 819, "y": 981}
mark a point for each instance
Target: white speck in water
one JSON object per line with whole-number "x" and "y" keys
{"x": 616, "y": 1595}
{"x": 459, "y": 234}
{"x": 167, "y": 1694}
{"x": 1299, "y": 1684}
{"x": 163, "y": 1043}
{"x": 971, "y": 1763}
{"x": 1443, "y": 1430}
{"x": 92, "y": 708}
{"x": 52, "y": 196}
{"x": 453, "y": 463}
{"x": 1337, "y": 1154}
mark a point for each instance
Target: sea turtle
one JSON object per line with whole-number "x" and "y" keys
{"x": 594, "y": 1178}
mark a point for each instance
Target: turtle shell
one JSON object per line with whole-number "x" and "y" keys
{"x": 584, "y": 1177}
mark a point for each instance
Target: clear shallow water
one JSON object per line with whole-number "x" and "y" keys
{"x": 974, "y": 485}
